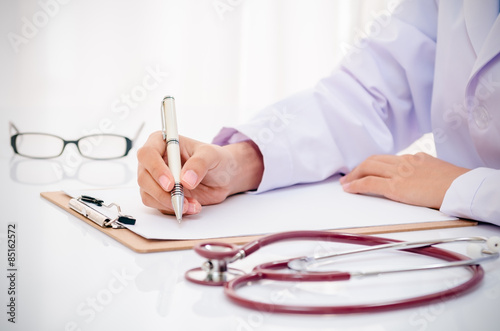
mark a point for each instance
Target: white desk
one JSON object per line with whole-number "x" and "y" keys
{"x": 73, "y": 277}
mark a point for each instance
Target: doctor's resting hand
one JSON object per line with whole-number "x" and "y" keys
{"x": 211, "y": 173}
{"x": 419, "y": 179}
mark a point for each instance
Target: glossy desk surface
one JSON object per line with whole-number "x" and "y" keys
{"x": 72, "y": 277}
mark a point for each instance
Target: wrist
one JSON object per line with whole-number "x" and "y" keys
{"x": 247, "y": 166}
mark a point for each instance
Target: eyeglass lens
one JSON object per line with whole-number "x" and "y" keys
{"x": 39, "y": 145}
{"x": 103, "y": 146}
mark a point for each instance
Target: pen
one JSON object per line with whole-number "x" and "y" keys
{"x": 171, "y": 137}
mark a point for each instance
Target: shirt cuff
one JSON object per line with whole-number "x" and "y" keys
{"x": 474, "y": 195}
{"x": 277, "y": 163}
{"x": 228, "y": 136}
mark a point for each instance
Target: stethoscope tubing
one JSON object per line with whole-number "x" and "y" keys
{"x": 271, "y": 271}
{"x": 255, "y": 245}
{"x": 231, "y": 287}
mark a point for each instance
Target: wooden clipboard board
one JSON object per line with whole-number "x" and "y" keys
{"x": 142, "y": 245}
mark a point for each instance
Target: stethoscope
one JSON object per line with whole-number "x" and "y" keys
{"x": 215, "y": 270}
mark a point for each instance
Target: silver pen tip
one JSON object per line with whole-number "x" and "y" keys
{"x": 178, "y": 205}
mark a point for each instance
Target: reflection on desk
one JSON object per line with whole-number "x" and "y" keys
{"x": 92, "y": 172}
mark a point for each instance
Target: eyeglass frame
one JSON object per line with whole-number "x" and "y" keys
{"x": 129, "y": 142}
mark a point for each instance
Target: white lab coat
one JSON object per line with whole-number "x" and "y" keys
{"x": 434, "y": 66}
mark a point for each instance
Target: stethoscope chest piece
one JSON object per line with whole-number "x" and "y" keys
{"x": 214, "y": 271}
{"x": 214, "y": 278}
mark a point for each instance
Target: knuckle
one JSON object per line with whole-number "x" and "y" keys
{"x": 364, "y": 163}
{"x": 146, "y": 199}
{"x": 207, "y": 148}
{"x": 201, "y": 157}
{"x": 149, "y": 147}
{"x": 153, "y": 137}
{"x": 414, "y": 157}
{"x": 141, "y": 179}
{"x": 157, "y": 133}
{"x": 420, "y": 157}
{"x": 140, "y": 154}
{"x": 143, "y": 153}
{"x": 406, "y": 157}
{"x": 367, "y": 182}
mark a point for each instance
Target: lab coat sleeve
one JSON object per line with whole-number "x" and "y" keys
{"x": 475, "y": 195}
{"x": 377, "y": 101}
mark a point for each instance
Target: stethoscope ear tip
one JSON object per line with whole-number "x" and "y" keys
{"x": 493, "y": 244}
{"x": 474, "y": 251}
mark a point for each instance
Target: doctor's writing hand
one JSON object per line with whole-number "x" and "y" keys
{"x": 209, "y": 174}
{"x": 418, "y": 179}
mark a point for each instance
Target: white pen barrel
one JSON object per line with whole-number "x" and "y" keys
{"x": 171, "y": 118}
{"x": 173, "y": 154}
{"x": 174, "y": 160}
{"x": 172, "y": 138}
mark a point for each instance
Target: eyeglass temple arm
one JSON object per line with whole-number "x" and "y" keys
{"x": 138, "y": 132}
{"x": 12, "y": 127}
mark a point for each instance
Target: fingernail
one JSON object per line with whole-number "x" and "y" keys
{"x": 194, "y": 208}
{"x": 342, "y": 179}
{"x": 190, "y": 177}
{"x": 345, "y": 186}
{"x": 164, "y": 182}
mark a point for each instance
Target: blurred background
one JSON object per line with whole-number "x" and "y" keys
{"x": 74, "y": 67}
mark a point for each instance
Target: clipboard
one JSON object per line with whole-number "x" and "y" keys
{"x": 140, "y": 244}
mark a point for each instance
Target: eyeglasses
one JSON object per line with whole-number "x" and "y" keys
{"x": 102, "y": 146}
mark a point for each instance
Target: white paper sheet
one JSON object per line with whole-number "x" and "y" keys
{"x": 318, "y": 206}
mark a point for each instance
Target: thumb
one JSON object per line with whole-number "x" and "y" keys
{"x": 204, "y": 158}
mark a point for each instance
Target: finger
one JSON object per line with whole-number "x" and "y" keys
{"x": 152, "y": 194}
{"x": 153, "y": 202}
{"x": 369, "y": 167}
{"x": 151, "y": 158}
{"x": 205, "y": 158}
{"x": 372, "y": 185}
{"x": 153, "y": 189}
{"x": 149, "y": 185}
{"x": 385, "y": 158}
{"x": 191, "y": 205}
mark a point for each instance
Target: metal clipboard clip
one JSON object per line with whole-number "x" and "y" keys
{"x": 82, "y": 206}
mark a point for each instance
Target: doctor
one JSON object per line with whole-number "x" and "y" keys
{"x": 434, "y": 68}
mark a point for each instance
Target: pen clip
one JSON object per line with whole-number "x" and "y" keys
{"x": 163, "y": 120}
